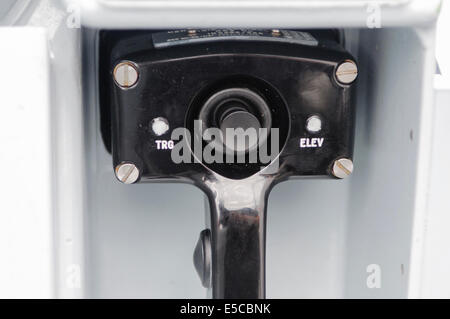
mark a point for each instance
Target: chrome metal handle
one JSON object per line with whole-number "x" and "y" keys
{"x": 238, "y": 229}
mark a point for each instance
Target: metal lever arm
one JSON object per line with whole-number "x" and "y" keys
{"x": 238, "y": 229}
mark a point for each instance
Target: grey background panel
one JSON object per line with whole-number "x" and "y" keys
{"x": 322, "y": 234}
{"x": 248, "y": 13}
{"x": 137, "y": 241}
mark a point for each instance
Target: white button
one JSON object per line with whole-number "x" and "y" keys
{"x": 160, "y": 126}
{"x": 314, "y": 124}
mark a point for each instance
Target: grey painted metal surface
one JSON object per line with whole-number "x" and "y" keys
{"x": 393, "y": 140}
{"x": 255, "y": 13}
{"x": 315, "y": 247}
{"x": 137, "y": 241}
{"x": 14, "y": 12}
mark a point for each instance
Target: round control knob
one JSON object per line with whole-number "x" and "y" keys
{"x": 240, "y": 120}
{"x": 237, "y": 109}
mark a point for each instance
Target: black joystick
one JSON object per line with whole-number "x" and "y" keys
{"x": 297, "y": 85}
{"x": 239, "y": 120}
{"x": 234, "y": 109}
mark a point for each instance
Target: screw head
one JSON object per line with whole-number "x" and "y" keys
{"x": 127, "y": 173}
{"x": 342, "y": 168}
{"x": 347, "y": 72}
{"x": 126, "y": 74}
{"x": 276, "y": 32}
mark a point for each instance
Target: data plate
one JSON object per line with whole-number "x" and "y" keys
{"x": 182, "y": 37}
